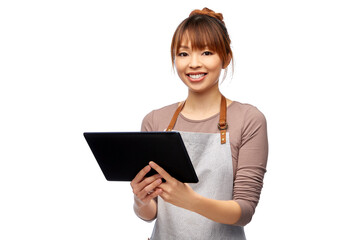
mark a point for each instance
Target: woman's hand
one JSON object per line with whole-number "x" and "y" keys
{"x": 182, "y": 195}
{"x": 145, "y": 189}
{"x": 175, "y": 192}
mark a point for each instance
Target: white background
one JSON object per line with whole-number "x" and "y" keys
{"x": 72, "y": 66}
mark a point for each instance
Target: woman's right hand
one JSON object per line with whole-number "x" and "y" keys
{"x": 145, "y": 188}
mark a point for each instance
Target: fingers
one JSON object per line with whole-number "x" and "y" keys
{"x": 145, "y": 190}
{"x": 140, "y": 186}
{"x": 137, "y": 187}
{"x": 161, "y": 171}
{"x": 152, "y": 195}
{"x": 149, "y": 189}
{"x": 141, "y": 175}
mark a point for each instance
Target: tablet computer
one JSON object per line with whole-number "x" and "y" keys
{"x": 121, "y": 155}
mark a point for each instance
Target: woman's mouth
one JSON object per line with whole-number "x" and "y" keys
{"x": 196, "y": 77}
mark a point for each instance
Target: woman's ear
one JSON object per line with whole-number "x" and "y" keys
{"x": 227, "y": 61}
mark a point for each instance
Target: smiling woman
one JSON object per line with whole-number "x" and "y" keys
{"x": 203, "y": 29}
{"x": 199, "y": 69}
{"x": 226, "y": 141}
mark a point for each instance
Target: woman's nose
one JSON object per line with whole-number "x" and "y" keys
{"x": 194, "y": 61}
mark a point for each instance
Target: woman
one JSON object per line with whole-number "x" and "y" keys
{"x": 228, "y": 148}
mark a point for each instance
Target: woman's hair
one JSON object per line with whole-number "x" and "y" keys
{"x": 203, "y": 28}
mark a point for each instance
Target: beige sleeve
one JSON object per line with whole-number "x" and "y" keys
{"x": 147, "y": 123}
{"x": 251, "y": 167}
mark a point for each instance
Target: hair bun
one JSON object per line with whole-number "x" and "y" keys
{"x": 208, "y": 12}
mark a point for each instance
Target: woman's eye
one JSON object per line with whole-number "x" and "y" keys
{"x": 207, "y": 53}
{"x": 182, "y": 54}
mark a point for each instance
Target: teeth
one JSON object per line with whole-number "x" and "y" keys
{"x": 197, "y": 75}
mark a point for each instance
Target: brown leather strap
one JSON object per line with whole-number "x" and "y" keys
{"x": 222, "y": 125}
{"x": 175, "y": 116}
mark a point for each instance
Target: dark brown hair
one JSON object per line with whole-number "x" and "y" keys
{"x": 203, "y": 28}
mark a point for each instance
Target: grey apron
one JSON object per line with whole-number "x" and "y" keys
{"x": 211, "y": 156}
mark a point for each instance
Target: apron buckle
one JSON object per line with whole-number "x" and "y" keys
{"x": 223, "y": 126}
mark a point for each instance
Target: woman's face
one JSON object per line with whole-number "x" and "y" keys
{"x": 199, "y": 69}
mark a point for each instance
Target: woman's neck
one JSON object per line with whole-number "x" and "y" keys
{"x": 203, "y": 105}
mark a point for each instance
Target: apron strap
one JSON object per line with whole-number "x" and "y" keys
{"x": 175, "y": 116}
{"x": 222, "y": 125}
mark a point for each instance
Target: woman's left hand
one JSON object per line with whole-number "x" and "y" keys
{"x": 173, "y": 191}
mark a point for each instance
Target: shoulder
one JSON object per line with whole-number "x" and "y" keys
{"x": 249, "y": 124}
{"x": 246, "y": 112}
{"x": 246, "y": 119}
{"x": 154, "y": 120}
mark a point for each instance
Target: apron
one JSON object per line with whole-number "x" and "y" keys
{"x": 210, "y": 155}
